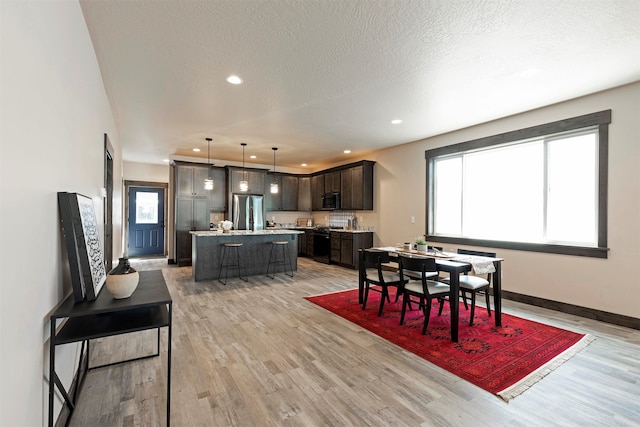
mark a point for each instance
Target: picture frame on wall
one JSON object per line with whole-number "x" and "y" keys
{"x": 86, "y": 260}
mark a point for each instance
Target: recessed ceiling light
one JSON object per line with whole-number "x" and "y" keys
{"x": 197, "y": 150}
{"x": 303, "y": 164}
{"x": 252, "y": 157}
{"x": 396, "y": 121}
{"x": 234, "y": 80}
{"x": 347, "y": 151}
{"x": 165, "y": 160}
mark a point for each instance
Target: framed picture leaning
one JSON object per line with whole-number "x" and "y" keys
{"x": 84, "y": 249}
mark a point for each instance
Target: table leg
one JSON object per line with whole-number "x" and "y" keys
{"x": 52, "y": 358}
{"x": 361, "y": 270}
{"x": 168, "y": 367}
{"x": 497, "y": 293}
{"x": 454, "y": 291}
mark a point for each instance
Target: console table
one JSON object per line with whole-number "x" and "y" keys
{"x": 148, "y": 308}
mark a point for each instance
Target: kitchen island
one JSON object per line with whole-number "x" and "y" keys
{"x": 256, "y": 247}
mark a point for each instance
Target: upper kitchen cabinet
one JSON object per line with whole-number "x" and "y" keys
{"x": 332, "y": 182}
{"x": 254, "y": 177}
{"x": 356, "y": 186}
{"x": 304, "y": 193}
{"x": 317, "y": 191}
{"x": 217, "y": 196}
{"x": 190, "y": 180}
{"x": 286, "y": 199}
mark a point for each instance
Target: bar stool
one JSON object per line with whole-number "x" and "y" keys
{"x": 274, "y": 261}
{"x": 232, "y": 247}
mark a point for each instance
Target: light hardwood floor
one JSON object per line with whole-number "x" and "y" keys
{"x": 259, "y": 354}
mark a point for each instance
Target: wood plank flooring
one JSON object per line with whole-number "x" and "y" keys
{"x": 259, "y": 354}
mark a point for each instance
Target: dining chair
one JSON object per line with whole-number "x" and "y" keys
{"x": 474, "y": 284}
{"x": 376, "y": 275}
{"x": 424, "y": 290}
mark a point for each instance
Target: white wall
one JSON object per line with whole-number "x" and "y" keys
{"x": 134, "y": 171}
{"x": 54, "y": 117}
{"x": 612, "y": 284}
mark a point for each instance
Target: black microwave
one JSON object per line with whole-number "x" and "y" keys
{"x": 331, "y": 201}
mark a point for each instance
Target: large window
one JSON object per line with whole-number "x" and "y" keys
{"x": 540, "y": 189}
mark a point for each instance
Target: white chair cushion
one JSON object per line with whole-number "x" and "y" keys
{"x": 388, "y": 276}
{"x": 470, "y": 282}
{"x": 418, "y": 274}
{"x": 433, "y": 286}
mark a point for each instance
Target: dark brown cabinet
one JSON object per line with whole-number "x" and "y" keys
{"x": 354, "y": 182}
{"x": 356, "y": 186}
{"x": 317, "y": 191}
{"x": 302, "y": 244}
{"x": 345, "y": 245}
{"x": 308, "y": 235}
{"x": 304, "y": 193}
{"x": 332, "y": 182}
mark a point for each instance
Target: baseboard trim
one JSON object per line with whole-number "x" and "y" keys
{"x": 589, "y": 313}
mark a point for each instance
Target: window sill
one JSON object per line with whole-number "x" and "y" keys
{"x": 584, "y": 251}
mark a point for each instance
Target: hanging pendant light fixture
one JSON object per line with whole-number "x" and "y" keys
{"x": 208, "y": 182}
{"x": 244, "y": 185}
{"x": 274, "y": 184}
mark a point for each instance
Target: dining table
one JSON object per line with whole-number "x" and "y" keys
{"x": 454, "y": 264}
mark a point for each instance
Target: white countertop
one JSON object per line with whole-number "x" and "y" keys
{"x": 245, "y": 232}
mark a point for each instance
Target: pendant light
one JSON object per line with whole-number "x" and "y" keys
{"x": 274, "y": 184}
{"x": 244, "y": 185}
{"x": 208, "y": 182}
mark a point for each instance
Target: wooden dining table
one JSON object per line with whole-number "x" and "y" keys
{"x": 455, "y": 265}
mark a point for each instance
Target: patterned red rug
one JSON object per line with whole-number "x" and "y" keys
{"x": 504, "y": 361}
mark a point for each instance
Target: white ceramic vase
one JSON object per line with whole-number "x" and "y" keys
{"x": 122, "y": 280}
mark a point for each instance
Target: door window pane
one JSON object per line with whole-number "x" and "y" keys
{"x": 146, "y": 208}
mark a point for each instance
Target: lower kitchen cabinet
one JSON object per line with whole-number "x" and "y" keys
{"x": 345, "y": 245}
{"x": 308, "y": 235}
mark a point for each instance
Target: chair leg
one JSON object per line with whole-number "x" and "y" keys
{"x": 473, "y": 307}
{"x": 405, "y": 302}
{"x": 224, "y": 252}
{"x": 441, "y": 306}
{"x": 287, "y": 257}
{"x": 427, "y": 314}
{"x": 366, "y": 295}
{"x": 240, "y": 268}
{"x": 385, "y": 293}
{"x": 486, "y": 293}
{"x": 464, "y": 298}
{"x": 269, "y": 264}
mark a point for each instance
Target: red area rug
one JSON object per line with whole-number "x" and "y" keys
{"x": 504, "y": 361}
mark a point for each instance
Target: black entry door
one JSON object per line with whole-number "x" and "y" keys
{"x": 146, "y": 221}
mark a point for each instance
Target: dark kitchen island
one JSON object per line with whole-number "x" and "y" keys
{"x": 256, "y": 247}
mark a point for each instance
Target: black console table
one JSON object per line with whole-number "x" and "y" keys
{"x": 148, "y": 308}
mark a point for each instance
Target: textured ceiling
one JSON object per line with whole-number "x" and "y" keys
{"x": 324, "y": 76}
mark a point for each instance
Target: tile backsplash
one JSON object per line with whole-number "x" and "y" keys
{"x": 341, "y": 218}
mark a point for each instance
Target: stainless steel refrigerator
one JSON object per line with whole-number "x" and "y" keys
{"x": 248, "y": 212}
